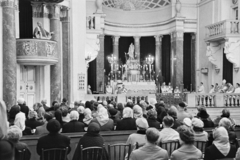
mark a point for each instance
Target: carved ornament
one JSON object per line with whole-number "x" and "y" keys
{"x": 232, "y": 50}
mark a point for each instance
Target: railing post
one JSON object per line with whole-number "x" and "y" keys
{"x": 220, "y": 102}
{"x": 191, "y": 100}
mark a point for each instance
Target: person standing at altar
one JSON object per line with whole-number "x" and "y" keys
{"x": 216, "y": 88}
{"x": 160, "y": 80}
{"x": 224, "y": 87}
{"x": 170, "y": 88}
{"x": 164, "y": 88}
{"x": 201, "y": 88}
{"x": 230, "y": 88}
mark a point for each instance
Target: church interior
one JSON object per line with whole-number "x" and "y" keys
{"x": 124, "y": 51}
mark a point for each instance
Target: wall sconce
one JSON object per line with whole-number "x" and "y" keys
{"x": 236, "y": 69}
{"x": 204, "y": 70}
{"x": 217, "y": 70}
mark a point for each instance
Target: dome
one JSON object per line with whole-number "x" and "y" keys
{"x": 129, "y": 5}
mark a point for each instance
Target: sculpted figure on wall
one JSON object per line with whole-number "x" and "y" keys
{"x": 232, "y": 51}
{"x": 92, "y": 48}
{"x": 41, "y": 33}
{"x": 211, "y": 51}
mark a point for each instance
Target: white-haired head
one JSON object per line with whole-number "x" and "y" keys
{"x": 74, "y": 115}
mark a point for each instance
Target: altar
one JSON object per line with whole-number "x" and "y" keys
{"x": 149, "y": 87}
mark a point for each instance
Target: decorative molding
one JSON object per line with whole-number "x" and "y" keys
{"x": 158, "y": 39}
{"x": 92, "y": 47}
{"x": 54, "y": 11}
{"x": 232, "y": 50}
{"x": 8, "y": 3}
{"x": 64, "y": 14}
{"x": 177, "y": 35}
{"x": 211, "y": 53}
{"x": 115, "y": 40}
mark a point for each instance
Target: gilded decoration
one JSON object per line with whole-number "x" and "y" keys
{"x": 131, "y": 5}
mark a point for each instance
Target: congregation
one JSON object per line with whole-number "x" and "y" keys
{"x": 154, "y": 122}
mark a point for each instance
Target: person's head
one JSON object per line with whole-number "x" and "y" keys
{"x": 13, "y": 111}
{"x": 238, "y": 85}
{"x": 48, "y": 116}
{"x": 212, "y": 86}
{"x": 141, "y": 124}
{"x": 39, "y": 24}
{"x": 20, "y": 101}
{"x": 87, "y": 113}
{"x": 186, "y": 135}
{"x": 152, "y": 101}
{"x": 201, "y": 83}
{"x": 3, "y": 120}
{"x": 120, "y": 107}
{"x": 80, "y": 109}
{"x": 93, "y": 128}
{"x": 197, "y": 125}
{"x": 202, "y": 113}
{"x": 14, "y": 134}
{"x": 64, "y": 100}
{"x": 89, "y": 87}
{"x": 172, "y": 111}
{"x": 105, "y": 103}
{"x": 225, "y": 113}
{"x": 168, "y": 122}
{"x": 182, "y": 105}
{"x": 53, "y": 126}
{"x": 216, "y": 84}
{"x": 187, "y": 122}
{"x": 220, "y": 135}
{"x": 129, "y": 104}
{"x": 36, "y": 106}
{"x": 226, "y": 123}
{"x": 152, "y": 114}
{"x": 137, "y": 111}
{"x": 64, "y": 112}
{"x": 54, "y": 102}
{"x": 224, "y": 82}
{"x": 44, "y": 102}
{"x": 32, "y": 114}
{"x": 127, "y": 113}
{"x": 102, "y": 112}
{"x": 74, "y": 115}
{"x": 76, "y": 104}
{"x": 152, "y": 135}
{"x": 20, "y": 121}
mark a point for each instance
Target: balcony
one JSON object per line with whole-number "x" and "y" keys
{"x": 95, "y": 23}
{"x": 222, "y": 30}
{"x": 36, "y": 52}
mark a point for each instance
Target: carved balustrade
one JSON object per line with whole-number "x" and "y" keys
{"x": 106, "y": 97}
{"x": 95, "y": 23}
{"x": 36, "y": 52}
{"x": 171, "y": 98}
{"x": 136, "y": 98}
{"x": 232, "y": 100}
{"x": 223, "y": 29}
{"x": 207, "y": 100}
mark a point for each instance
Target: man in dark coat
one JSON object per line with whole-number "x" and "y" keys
{"x": 53, "y": 139}
{"x": 74, "y": 125}
{"x": 23, "y": 107}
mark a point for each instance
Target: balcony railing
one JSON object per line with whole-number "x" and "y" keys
{"x": 94, "y": 23}
{"x": 223, "y": 29}
{"x": 36, "y": 52}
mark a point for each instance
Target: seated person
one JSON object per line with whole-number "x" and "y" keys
{"x": 204, "y": 116}
{"x": 74, "y": 125}
{"x": 137, "y": 112}
{"x": 238, "y": 154}
{"x": 20, "y": 123}
{"x": 106, "y": 124}
{"x": 14, "y": 135}
{"x": 127, "y": 123}
{"x": 142, "y": 126}
{"x": 43, "y": 129}
{"x": 167, "y": 133}
{"x": 90, "y": 139}
{"x": 150, "y": 150}
{"x": 221, "y": 148}
{"x": 199, "y": 133}
{"x": 182, "y": 113}
{"x": 13, "y": 112}
{"x": 53, "y": 139}
{"x": 87, "y": 116}
{"x": 32, "y": 121}
{"x": 172, "y": 111}
{"x": 226, "y": 114}
{"x": 152, "y": 119}
{"x": 187, "y": 151}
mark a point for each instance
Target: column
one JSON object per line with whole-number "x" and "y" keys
{"x": 193, "y": 61}
{"x": 65, "y": 19}
{"x": 56, "y": 69}
{"x": 158, "y": 53}
{"x": 9, "y": 53}
{"x": 137, "y": 47}
{"x": 177, "y": 59}
{"x": 100, "y": 66}
{"x": 116, "y": 46}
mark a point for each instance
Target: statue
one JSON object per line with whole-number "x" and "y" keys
{"x": 210, "y": 55}
{"x": 41, "y": 33}
{"x": 232, "y": 52}
{"x": 131, "y": 51}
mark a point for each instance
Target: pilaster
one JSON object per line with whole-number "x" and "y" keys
{"x": 137, "y": 47}
{"x": 158, "y": 53}
{"x": 116, "y": 46}
{"x": 193, "y": 62}
{"x": 177, "y": 58}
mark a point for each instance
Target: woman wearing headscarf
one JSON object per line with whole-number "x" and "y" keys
{"x": 221, "y": 148}
{"x": 87, "y": 116}
{"x": 199, "y": 133}
{"x": 137, "y": 112}
{"x": 20, "y": 123}
{"x": 91, "y": 139}
{"x": 204, "y": 116}
{"x": 6, "y": 147}
{"x": 106, "y": 124}
{"x": 80, "y": 110}
{"x": 32, "y": 121}
{"x": 127, "y": 123}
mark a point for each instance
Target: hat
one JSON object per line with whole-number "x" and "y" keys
{"x": 182, "y": 104}
{"x": 93, "y": 128}
{"x": 112, "y": 111}
{"x": 197, "y": 123}
{"x": 142, "y": 123}
{"x": 53, "y": 126}
{"x": 187, "y": 122}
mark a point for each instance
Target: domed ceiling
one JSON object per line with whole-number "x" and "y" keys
{"x": 48, "y": 1}
{"x": 130, "y": 5}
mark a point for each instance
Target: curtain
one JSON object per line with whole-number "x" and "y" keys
{"x": 187, "y": 57}
{"x": 166, "y": 57}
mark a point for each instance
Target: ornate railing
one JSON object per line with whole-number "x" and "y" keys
{"x": 106, "y": 97}
{"x": 136, "y": 98}
{"x": 222, "y": 29}
{"x": 94, "y": 22}
{"x": 232, "y": 100}
{"x": 171, "y": 98}
{"x": 207, "y": 100}
{"x": 36, "y": 51}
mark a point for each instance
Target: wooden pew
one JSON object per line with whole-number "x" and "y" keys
{"x": 110, "y": 137}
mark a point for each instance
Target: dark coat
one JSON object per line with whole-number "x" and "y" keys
{"x": 24, "y": 109}
{"x": 6, "y": 150}
{"x": 33, "y": 123}
{"x": 212, "y": 153}
{"x": 109, "y": 126}
{"x": 88, "y": 140}
{"x": 53, "y": 140}
{"x": 126, "y": 124}
{"x": 153, "y": 123}
{"x": 73, "y": 126}
{"x": 176, "y": 124}
{"x": 19, "y": 147}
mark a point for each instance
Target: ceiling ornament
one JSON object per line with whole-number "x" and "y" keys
{"x": 131, "y": 5}
{"x": 48, "y": 1}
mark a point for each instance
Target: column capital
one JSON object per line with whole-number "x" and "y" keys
{"x": 8, "y": 3}
{"x": 177, "y": 35}
{"x": 136, "y": 39}
{"x": 54, "y": 11}
{"x": 101, "y": 36}
{"x": 115, "y": 39}
{"x": 158, "y": 39}
{"x": 64, "y": 14}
